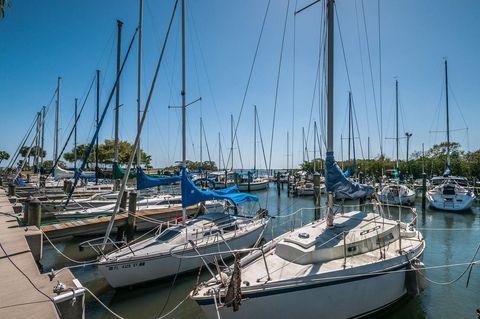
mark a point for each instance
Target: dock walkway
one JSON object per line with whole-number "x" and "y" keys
{"x": 25, "y": 292}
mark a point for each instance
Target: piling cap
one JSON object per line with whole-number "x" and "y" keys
{"x": 35, "y": 201}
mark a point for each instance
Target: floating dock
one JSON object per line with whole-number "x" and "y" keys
{"x": 25, "y": 292}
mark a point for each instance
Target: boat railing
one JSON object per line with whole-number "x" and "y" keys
{"x": 98, "y": 245}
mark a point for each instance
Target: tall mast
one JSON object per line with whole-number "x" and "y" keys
{"x": 184, "y": 113}
{"x": 44, "y": 108}
{"x": 219, "y": 152}
{"x": 330, "y": 33}
{"x": 75, "y": 137}
{"x": 231, "y": 137}
{"x": 314, "y": 145}
{"x": 57, "y": 114}
{"x": 448, "y": 115}
{"x": 288, "y": 149}
{"x": 201, "y": 138}
{"x": 117, "y": 92}
{"x": 139, "y": 77}
{"x": 303, "y": 144}
{"x": 255, "y": 138}
{"x": 96, "y": 120}
{"x": 349, "y": 124}
{"x": 396, "y": 116}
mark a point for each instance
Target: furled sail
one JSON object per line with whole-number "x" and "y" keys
{"x": 192, "y": 195}
{"x": 118, "y": 172}
{"x": 147, "y": 181}
{"x": 337, "y": 183}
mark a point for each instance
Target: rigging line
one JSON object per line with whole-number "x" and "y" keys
{"x": 22, "y": 143}
{"x": 380, "y": 72}
{"x": 28, "y": 279}
{"x": 251, "y": 69}
{"x": 202, "y": 57}
{"x": 90, "y": 148}
{"x": 363, "y": 69}
{"x": 261, "y": 142}
{"x": 206, "y": 143}
{"x": 277, "y": 85}
{"x": 358, "y": 129}
{"x": 343, "y": 49}
{"x": 57, "y": 160}
{"x": 457, "y": 104}
{"x": 380, "y": 137}
{"x": 293, "y": 80}
{"x": 317, "y": 81}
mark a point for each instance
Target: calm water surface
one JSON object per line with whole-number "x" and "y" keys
{"x": 451, "y": 238}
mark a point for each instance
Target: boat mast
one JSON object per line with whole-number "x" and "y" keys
{"x": 42, "y": 140}
{"x": 396, "y": 118}
{"x": 219, "y": 151}
{"x": 349, "y": 125}
{"x": 75, "y": 137}
{"x": 255, "y": 138}
{"x": 57, "y": 114}
{"x": 97, "y": 119}
{"x": 184, "y": 113}
{"x": 201, "y": 138}
{"x": 448, "y": 115}
{"x": 288, "y": 148}
{"x": 231, "y": 137}
{"x": 117, "y": 94}
{"x": 314, "y": 145}
{"x": 139, "y": 77}
{"x": 330, "y": 32}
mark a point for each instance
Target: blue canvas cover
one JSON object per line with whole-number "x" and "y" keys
{"x": 347, "y": 172}
{"x": 83, "y": 176}
{"x": 192, "y": 195}
{"x": 147, "y": 181}
{"x": 337, "y": 183}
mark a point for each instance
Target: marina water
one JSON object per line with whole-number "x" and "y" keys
{"x": 452, "y": 238}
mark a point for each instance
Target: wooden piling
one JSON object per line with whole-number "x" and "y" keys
{"x": 316, "y": 194}
{"x": 278, "y": 183}
{"x": 34, "y": 213}
{"x": 11, "y": 189}
{"x": 131, "y": 219}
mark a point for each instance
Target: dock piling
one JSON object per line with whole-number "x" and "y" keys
{"x": 316, "y": 194}
{"x": 34, "y": 212}
{"x": 11, "y": 189}
{"x": 278, "y": 183}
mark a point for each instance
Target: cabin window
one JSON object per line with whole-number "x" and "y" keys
{"x": 352, "y": 249}
{"x": 230, "y": 228}
{"x": 384, "y": 239}
{"x": 168, "y": 235}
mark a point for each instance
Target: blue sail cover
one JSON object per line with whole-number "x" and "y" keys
{"x": 83, "y": 176}
{"x": 146, "y": 181}
{"x": 347, "y": 172}
{"x": 336, "y": 182}
{"x": 192, "y": 195}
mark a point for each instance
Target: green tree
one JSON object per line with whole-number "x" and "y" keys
{"x": 4, "y": 156}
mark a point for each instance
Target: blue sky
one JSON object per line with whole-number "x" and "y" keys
{"x": 41, "y": 40}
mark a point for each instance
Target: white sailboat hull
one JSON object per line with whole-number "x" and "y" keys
{"x": 254, "y": 186}
{"x": 450, "y": 203}
{"x": 397, "y": 200}
{"x": 344, "y": 296}
{"x": 146, "y": 268}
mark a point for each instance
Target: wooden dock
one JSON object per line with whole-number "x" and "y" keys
{"x": 25, "y": 292}
{"x": 98, "y": 226}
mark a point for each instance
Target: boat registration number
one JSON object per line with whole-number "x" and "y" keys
{"x": 127, "y": 266}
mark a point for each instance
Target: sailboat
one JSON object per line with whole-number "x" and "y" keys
{"x": 395, "y": 193}
{"x": 251, "y": 181}
{"x": 154, "y": 258}
{"x": 341, "y": 266}
{"x": 449, "y": 192}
